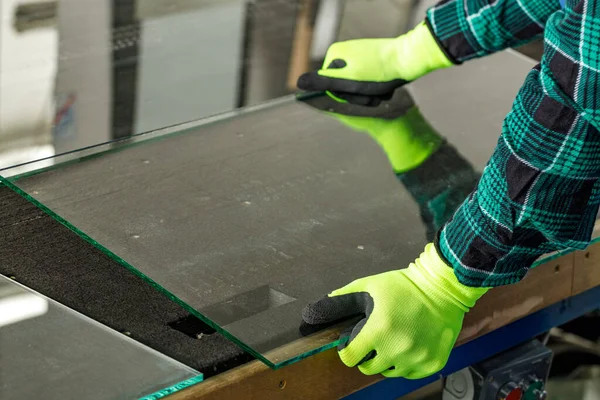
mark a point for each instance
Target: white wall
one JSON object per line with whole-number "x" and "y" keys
{"x": 32, "y": 73}
{"x": 84, "y": 69}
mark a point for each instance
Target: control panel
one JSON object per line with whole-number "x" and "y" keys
{"x": 516, "y": 374}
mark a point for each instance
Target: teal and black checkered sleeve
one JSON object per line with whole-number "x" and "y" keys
{"x": 540, "y": 191}
{"x": 468, "y": 29}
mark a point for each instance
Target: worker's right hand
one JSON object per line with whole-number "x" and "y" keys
{"x": 411, "y": 317}
{"x": 361, "y": 69}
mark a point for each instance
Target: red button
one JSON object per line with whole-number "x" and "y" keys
{"x": 515, "y": 394}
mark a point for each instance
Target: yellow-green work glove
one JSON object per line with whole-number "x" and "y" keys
{"x": 373, "y": 68}
{"x": 412, "y": 317}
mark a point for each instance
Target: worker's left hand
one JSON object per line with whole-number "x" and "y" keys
{"x": 367, "y": 71}
{"x": 412, "y": 318}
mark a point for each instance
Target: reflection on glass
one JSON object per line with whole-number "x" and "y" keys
{"x": 17, "y": 305}
{"x": 49, "y": 351}
{"x": 431, "y": 169}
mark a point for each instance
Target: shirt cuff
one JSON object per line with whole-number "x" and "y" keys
{"x": 448, "y": 26}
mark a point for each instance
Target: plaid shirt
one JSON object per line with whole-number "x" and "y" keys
{"x": 540, "y": 190}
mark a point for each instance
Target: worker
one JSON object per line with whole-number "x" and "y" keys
{"x": 538, "y": 193}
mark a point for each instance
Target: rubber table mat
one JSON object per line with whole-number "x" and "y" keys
{"x": 245, "y": 218}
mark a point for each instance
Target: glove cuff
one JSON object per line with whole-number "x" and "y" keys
{"x": 419, "y": 53}
{"x": 442, "y": 281}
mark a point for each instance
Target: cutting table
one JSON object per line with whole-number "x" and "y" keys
{"x": 71, "y": 232}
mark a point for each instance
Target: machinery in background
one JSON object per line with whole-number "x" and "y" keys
{"x": 516, "y": 374}
{"x": 566, "y": 366}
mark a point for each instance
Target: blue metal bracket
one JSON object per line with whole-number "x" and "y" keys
{"x": 488, "y": 345}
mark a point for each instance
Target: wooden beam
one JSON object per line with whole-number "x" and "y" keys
{"x": 586, "y": 272}
{"x": 544, "y": 285}
{"x": 300, "y": 58}
{"x": 321, "y": 376}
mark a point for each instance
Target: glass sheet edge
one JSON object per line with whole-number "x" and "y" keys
{"x": 310, "y": 353}
{"x": 174, "y": 388}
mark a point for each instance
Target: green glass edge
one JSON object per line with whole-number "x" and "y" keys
{"x": 159, "y": 394}
{"x": 310, "y": 353}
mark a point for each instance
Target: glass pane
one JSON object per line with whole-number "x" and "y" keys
{"x": 49, "y": 351}
{"x": 246, "y": 219}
